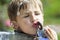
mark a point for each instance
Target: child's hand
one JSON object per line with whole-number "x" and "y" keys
{"x": 51, "y": 34}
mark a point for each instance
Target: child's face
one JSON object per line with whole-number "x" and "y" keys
{"x": 28, "y": 17}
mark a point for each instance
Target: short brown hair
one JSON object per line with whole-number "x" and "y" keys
{"x": 15, "y": 5}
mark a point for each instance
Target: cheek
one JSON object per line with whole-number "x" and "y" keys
{"x": 27, "y": 21}
{"x": 40, "y": 18}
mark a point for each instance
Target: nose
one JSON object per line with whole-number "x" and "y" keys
{"x": 33, "y": 18}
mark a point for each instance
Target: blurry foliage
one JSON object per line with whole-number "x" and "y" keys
{"x": 1, "y": 25}
{"x": 58, "y": 36}
{"x": 51, "y": 11}
{"x": 3, "y": 15}
{"x": 2, "y": 2}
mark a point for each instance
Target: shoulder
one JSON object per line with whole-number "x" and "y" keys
{"x": 23, "y": 36}
{"x": 6, "y": 35}
{"x": 2, "y": 33}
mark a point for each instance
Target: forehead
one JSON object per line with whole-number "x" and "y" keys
{"x": 29, "y": 8}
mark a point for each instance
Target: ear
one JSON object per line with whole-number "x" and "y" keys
{"x": 14, "y": 24}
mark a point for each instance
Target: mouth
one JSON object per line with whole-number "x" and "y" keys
{"x": 37, "y": 25}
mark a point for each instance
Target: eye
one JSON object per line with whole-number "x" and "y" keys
{"x": 37, "y": 13}
{"x": 26, "y": 16}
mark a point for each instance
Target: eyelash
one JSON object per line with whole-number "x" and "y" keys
{"x": 37, "y": 13}
{"x": 26, "y": 16}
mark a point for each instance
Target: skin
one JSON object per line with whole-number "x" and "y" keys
{"x": 29, "y": 16}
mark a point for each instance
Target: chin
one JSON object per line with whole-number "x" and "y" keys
{"x": 31, "y": 32}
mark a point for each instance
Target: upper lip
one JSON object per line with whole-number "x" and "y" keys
{"x": 37, "y": 24}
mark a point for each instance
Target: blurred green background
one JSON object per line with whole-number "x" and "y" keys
{"x": 51, "y": 13}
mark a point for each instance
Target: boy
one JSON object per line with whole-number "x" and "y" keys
{"x": 24, "y": 16}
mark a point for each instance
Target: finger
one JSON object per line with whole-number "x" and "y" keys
{"x": 50, "y": 30}
{"x": 48, "y": 33}
{"x": 52, "y": 33}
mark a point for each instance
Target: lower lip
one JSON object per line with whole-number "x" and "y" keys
{"x": 35, "y": 25}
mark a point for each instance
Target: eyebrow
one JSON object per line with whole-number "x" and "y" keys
{"x": 26, "y": 12}
{"x": 30, "y": 11}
